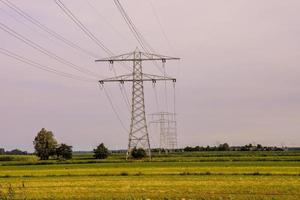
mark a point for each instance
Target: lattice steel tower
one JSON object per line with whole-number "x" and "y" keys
{"x": 167, "y": 130}
{"x": 138, "y": 134}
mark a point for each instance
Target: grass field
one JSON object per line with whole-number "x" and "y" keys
{"x": 203, "y": 175}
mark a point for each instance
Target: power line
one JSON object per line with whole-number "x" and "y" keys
{"x": 46, "y": 52}
{"x": 68, "y": 12}
{"x": 138, "y": 36}
{"x": 156, "y": 97}
{"x": 107, "y": 22}
{"x": 141, "y": 40}
{"x": 51, "y": 32}
{"x": 123, "y": 92}
{"x": 43, "y": 67}
{"x": 124, "y": 95}
{"x": 85, "y": 30}
{"x": 42, "y": 50}
{"x": 169, "y": 45}
{"x": 166, "y": 91}
{"x": 72, "y": 16}
{"x": 93, "y": 7}
{"x": 161, "y": 27}
{"x": 174, "y": 100}
{"x": 115, "y": 110}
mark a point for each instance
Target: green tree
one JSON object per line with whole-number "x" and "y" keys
{"x": 224, "y": 147}
{"x": 101, "y": 152}
{"x": 45, "y": 144}
{"x": 138, "y": 153}
{"x": 259, "y": 147}
{"x": 64, "y": 151}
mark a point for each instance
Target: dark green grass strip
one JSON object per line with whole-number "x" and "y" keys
{"x": 156, "y": 174}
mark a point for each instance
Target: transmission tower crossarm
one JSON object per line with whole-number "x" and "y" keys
{"x": 131, "y": 57}
{"x": 130, "y": 78}
{"x": 157, "y": 78}
{"x": 121, "y": 78}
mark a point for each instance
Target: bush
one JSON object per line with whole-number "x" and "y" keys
{"x": 101, "y": 152}
{"x": 138, "y": 153}
{"x": 64, "y": 152}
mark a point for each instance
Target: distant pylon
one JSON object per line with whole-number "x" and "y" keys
{"x": 138, "y": 135}
{"x": 167, "y": 130}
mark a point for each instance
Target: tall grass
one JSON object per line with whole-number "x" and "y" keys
{"x": 6, "y": 158}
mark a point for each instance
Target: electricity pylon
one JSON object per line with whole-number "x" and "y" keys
{"x": 167, "y": 130}
{"x": 138, "y": 134}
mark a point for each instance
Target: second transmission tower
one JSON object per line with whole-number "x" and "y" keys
{"x": 167, "y": 130}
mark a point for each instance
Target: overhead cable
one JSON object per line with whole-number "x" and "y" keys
{"x": 138, "y": 36}
{"x": 68, "y": 12}
{"x": 43, "y": 67}
{"x": 115, "y": 110}
{"x": 46, "y": 52}
{"x": 51, "y": 32}
{"x": 161, "y": 27}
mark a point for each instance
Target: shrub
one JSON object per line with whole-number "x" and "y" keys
{"x": 101, "y": 152}
{"x": 138, "y": 153}
{"x": 64, "y": 152}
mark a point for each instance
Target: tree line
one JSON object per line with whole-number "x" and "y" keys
{"x": 46, "y": 146}
{"x": 226, "y": 147}
{"x": 12, "y": 152}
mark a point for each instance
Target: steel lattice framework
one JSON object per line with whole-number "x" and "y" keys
{"x": 138, "y": 135}
{"x": 168, "y": 130}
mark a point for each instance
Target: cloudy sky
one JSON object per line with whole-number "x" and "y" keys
{"x": 238, "y": 78}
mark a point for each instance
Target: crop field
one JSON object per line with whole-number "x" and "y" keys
{"x": 203, "y": 175}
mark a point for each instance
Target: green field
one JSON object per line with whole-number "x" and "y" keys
{"x": 203, "y": 175}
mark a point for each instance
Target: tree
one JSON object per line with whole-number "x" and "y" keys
{"x": 45, "y": 144}
{"x": 188, "y": 148}
{"x": 197, "y": 148}
{"x": 207, "y": 148}
{"x": 64, "y": 151}
{"x": 224, "y": 147}
{"x": 101, "y": 152}
{"x": 138, "y": 153}
{"x": 259, "y": 147}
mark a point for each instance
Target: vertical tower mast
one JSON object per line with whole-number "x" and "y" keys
{"x": 138, "y": 135}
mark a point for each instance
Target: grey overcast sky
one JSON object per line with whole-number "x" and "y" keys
{"x": 238, "y": 80}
